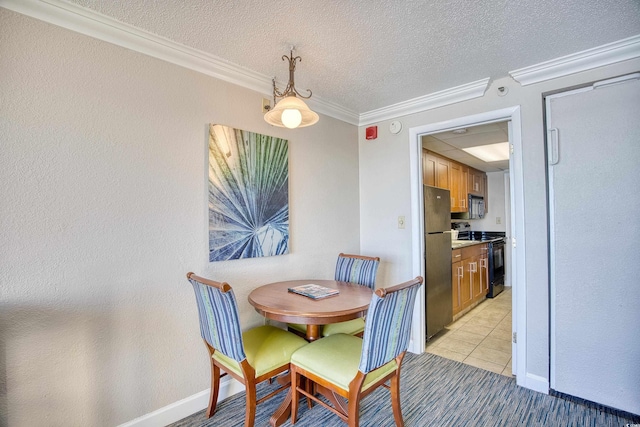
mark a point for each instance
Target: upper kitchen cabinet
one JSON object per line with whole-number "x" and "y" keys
{"x": 436, "y": 170}
{"x": 458, "y": 178}
{"x": 459, "y": 184}
{"x": 476, "y": 182}
{"x": 443, "y": 173}
{"x": 478, "y": 185}
{"x": 429, "y": 169}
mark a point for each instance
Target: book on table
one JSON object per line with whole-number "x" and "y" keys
{"x": 314, "y": 291}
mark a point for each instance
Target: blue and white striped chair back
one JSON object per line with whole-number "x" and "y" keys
{"x": 388, "y": 326}
{"x": 219, "y": 320}
{"x": 357, "y": 270}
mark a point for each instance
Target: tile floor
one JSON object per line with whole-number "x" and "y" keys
{"x": 480, "y": 338}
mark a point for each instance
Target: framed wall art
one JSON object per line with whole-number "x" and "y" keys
{"x": 248, "y": 194}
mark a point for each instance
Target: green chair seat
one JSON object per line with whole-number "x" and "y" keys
{"x": 259, "y": 345}
{"x": 319, "y": 358}
{"x": 350, "y": 327}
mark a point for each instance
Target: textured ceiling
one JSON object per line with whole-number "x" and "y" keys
{"x": 368, "y": 54}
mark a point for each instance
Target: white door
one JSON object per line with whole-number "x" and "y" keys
{"x": 593, "y": 138}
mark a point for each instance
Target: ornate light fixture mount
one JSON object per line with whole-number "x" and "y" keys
{"x": 291, "y": 111}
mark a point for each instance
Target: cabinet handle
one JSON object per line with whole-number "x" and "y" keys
{"x": 458, "y": 256}
{"x": 483, "y": 263}
{"x": 453, "y": 201}
{"x": 463, "y": 203}
{"x": 460, "y": 272}
{"x": 473, "y": 267}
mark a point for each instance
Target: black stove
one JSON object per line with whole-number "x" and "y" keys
{"x": 482, "y": 236}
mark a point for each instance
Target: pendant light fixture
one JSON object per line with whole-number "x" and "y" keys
{"x": 291, "y": 111}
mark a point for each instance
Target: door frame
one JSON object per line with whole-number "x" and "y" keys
{"x": 518, "y": 278}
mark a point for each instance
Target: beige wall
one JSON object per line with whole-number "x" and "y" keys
{"x": 385, "y": 193}
{"x": 103, "y": 212}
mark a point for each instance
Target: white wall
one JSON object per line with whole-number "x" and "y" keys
{"x": 385, "y": 193}
{"x": 103, "y": 188}
{"x": 495, "y": 183}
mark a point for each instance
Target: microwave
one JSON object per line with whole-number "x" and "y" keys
{"x": 476, "y": 207}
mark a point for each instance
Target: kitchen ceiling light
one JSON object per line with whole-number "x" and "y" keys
{"x": 290, "y": 112}
{"x": 490, "y": 152}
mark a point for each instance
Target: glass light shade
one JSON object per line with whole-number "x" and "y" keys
{"x": 279, "y": 116}
{"x": 291, "y": 118}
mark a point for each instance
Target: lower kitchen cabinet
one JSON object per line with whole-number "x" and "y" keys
{"x": 469, "y": 276}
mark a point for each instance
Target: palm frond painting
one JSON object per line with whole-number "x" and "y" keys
{"x": 248, "y": 194}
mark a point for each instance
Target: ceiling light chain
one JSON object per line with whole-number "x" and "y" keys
{"x": 290, "y": 111}
{"x": 290, "y": 90}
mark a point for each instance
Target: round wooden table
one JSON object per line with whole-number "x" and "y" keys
{"x": 274, "y": 301}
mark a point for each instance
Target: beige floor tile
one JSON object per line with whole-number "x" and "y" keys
{"x": 477, "y": 329}
{"x": 505, "y": 324}
{"x": 497, "y": 311}
{"x": 443, "y": 352}
{"x": 501, "y": 334}
{"x": 508, "y": 370}
{"x": 469, "y": 337}
{"x": 483, "y": 364}
{"x": 457, "y": 346}
{"x": 490, "y": 355}
{"x": 496, "y": 344}
{"x": 494, "y": 316}
{"x": 484, "y": 321}
{"x": 458, "y": 323}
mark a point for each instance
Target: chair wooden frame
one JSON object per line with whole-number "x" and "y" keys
{"x": 350, "y": 413}
{"x": 248, "y": 377}
{"x": 363, "y": 257}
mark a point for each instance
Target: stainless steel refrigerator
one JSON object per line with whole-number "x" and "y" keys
{"x": 437, "y": 223}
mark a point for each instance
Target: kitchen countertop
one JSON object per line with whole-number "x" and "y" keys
{"x": 457, "y": 244}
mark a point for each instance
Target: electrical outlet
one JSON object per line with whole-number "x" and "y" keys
{"x": 498, "y": 220}
{"x": 401, "y": 222}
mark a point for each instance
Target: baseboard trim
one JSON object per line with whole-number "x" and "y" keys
{"x": 536, "y": 383}
{"x": 635, "y": 418}
{"x": 185, "y": 407}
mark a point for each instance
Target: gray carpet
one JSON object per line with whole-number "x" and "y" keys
{"x": 434, "y": 392}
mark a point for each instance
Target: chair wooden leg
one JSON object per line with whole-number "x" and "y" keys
{"x": 295, "y": 382}
{"x": 215, "y": 387}
{"x": 250, "y": 407}
{"x": 353, "y": 412}
{"x": 395, "y": 401}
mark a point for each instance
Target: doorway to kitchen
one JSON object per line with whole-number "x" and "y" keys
{"x": 514, "y": 232}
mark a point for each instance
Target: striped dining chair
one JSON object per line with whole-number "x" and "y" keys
{"x": 365, "y": 363}
{"x": 250, "y": 357}
{"x": 349, "y": 268}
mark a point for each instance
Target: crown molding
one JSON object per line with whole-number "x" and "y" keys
{"x": 93, "y": 24}
{"x": 427, "y": 102}
{"x": 600, "y": 56}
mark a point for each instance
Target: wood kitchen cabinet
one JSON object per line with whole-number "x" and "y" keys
{"x": 459, "y": 187}
{"x": 443, "y": 173}
{"x": 429, "y": 169}
{"x": 484, "y": 268}
{"x": 458, "y": 178}
{"x": 456, "y": 279}
{"x": 469, "y": 277}
{"x": 476, "y": 182}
